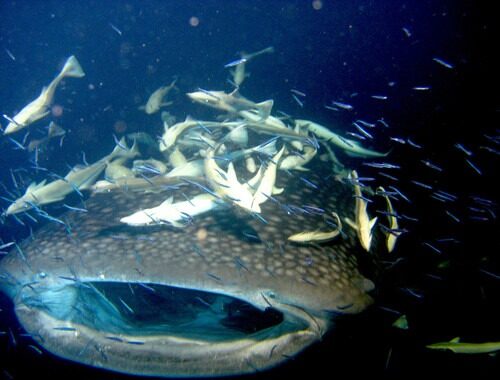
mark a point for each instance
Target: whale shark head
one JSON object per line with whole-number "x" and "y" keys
{"x": 226, "y": 294}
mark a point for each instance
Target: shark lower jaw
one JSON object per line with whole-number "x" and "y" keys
{"x": 159, "y": 330}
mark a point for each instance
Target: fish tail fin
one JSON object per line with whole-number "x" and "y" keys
{"x": 264, "y": 108}
{"x": 72, "y": 68}
{"x": 55, "y": 130}
{"x": 122, "y": 150}
{"x": 173, "y": 84}
{"x": 134, "y": 151}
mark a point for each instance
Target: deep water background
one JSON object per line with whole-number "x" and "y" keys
{"x": 347, "y": 51}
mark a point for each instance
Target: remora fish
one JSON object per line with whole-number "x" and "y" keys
{"x": 393, "y": 222}
{"x": 362, "y": 224}
{"x": 54, "y": 130}
{"x": 79, "y": 178}
{"x": 351, "y": 147}
{"x": 318, "y": 236}
{"x": 55, "y": 191}
{"x": 238, "y": 73}
{"x": 39, "y": 107}
{"x": 155, "y": 101}
{"x": 266, "y": 186}
{"x": 70, "y": 292}
{"x": 172, "y": 133}
{"x": 175, "y": 214}
{"x": 226, "y": 184}
{"x": 232, "y": 102}
{"x": 466, "y": 348}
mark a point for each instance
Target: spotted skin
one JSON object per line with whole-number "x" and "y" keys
{"x": 227, "y": 251}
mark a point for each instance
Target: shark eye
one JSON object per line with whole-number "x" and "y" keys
{"x": 42, "y": 274}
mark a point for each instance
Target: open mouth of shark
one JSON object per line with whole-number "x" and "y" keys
{"x": 113, "y": 309}
{"x": 162, "y": 330}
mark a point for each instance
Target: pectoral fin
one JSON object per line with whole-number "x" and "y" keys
{"x": 277, "y": 190}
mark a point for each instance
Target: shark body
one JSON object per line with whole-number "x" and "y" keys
{"x": 162, "y": 301}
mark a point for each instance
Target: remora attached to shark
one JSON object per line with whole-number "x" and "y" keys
{"x": 227, "y": 294}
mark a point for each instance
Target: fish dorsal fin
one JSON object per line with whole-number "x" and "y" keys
{"x": 75, "y": 169}
{"x": 119, "y": 148}
{"x": 33, "y": 186}
{"x": 231, "y": 173}
{"x": 455, "y": 340}
{"x": 264, "y": 108}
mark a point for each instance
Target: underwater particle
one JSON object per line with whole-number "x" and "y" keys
{"x": 317, "y": 5}
{"x": 120, "y": 126}
{"x": 194, "y": 21}
{"x": 86, "y": 133}
{"x": 201, "y": 234}
{"x": 125, "y": 63}
{"x": 125, "y": 48}
{"x": 57, "y": 110}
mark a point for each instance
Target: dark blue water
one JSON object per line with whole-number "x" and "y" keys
{"x": 346, "y": 51}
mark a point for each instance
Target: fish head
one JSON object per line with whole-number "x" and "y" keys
{"x": 226, "y": 294}
{"x": 215, "y": 99}
{"x": 151, "y": 107}
{"x": 25, "y": 203}
{"x": 16, "y": 207}
{"x": 12, "y": 127}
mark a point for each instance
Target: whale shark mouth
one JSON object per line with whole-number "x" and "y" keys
{"x": 152, "y": 329}
{"x": 143, "y": 309}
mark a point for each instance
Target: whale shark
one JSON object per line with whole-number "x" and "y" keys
{"x": 227, "y": 294}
